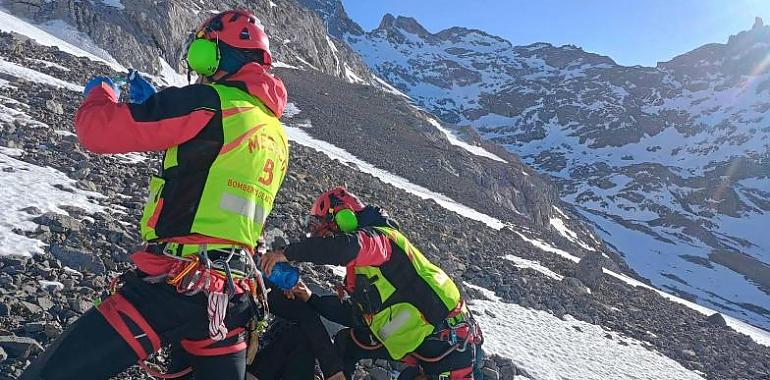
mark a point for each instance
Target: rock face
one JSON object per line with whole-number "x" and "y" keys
{"x": 669, "y": 163}
{"x": 143, "y": 30}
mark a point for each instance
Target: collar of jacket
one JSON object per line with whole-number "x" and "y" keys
{"x": 254, "y": 79}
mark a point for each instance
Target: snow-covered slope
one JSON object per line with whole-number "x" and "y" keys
{"x": 59, "y": 34}
{"x": 549, "y": 348}
{"x": 27, "y": 189}
{"x": 669, "y": 163}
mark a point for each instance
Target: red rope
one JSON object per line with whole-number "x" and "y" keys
{"x": 362, "y": 345}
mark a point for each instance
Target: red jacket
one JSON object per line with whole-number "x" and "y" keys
{"x": 167, "y": 119}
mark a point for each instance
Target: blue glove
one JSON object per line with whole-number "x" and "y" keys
{"x": 97, "y": 81}
{"x": 139, "y": 88}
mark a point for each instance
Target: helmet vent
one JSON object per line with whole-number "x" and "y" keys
{"x": 245, "y": 34}
{"x": 215, "y": 25}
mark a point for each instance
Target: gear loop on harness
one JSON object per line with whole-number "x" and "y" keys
{"x": 458, "y": 336}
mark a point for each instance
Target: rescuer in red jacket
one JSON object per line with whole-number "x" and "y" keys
{"x": 225, "y": 159}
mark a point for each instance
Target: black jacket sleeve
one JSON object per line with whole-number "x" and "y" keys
{"x": 331, "y": 308}
{"x": 338, "y": 250}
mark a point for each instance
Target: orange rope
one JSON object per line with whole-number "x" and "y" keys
{"x": 437, "y": 358}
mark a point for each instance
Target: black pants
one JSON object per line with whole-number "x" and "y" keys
{"x": 290, "y": 347}
{"x": 91, "y": 349}
{"x": 351, "y": 353}
{"x": 287, "y": 356}
{"x": 309, "y": 335}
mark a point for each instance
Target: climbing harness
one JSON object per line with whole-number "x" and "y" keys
{"x": 190, "y": 275}
{"x": 459, "y": 330}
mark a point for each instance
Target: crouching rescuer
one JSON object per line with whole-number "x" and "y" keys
{"x": 195, "y": 284}
{"x": 396, "y": 304}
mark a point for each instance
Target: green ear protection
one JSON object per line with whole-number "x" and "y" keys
{"x": 203, "y": 56}
{"x": 346, "y": 220}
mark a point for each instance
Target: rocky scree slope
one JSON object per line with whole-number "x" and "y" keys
{"x": 85, "y": 249}
{"x": 139, "y": 31}
{"x": 670, "y": 163}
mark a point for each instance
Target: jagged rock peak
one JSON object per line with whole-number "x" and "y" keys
{"x": 407, "y": 24}
{"x": 758, "y": 23}
{"x": 387, "y": 22}
{"x": 334, "y": 16}
{"x": 456, "y": 32}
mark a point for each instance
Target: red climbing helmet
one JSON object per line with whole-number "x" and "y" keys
{"x": 333, "y": 211}
{"x": 238, "y": 29}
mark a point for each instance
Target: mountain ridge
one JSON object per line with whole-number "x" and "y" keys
{"x": 667, "y": 162}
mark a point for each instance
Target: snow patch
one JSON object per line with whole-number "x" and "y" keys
{"x": 338, "y": 271}
{"x": 301, "y": 137}
{"x": 170, "y": 76}
{"x": 114, "y": 3}
{"x": 284, "y": 65}
{"x": 351, "y": 75}
{"x": 61, "y": 35}
{"x": 523, "y": 263}
{"x": 131, "y": 158}
{"x": 559, "y": 225}
{"x": 549, "y": 348}
{"x": 13, "y": 152}
{"x": 25, "y": 185}
{"x": 50, "y": 285}
{"x": 547, "y": 247}
{"x": 562, "y": 228}
{"x": 389, "y": 88}
{"x": 22, "y": 72}
{"x": 291, "y": 110}
{"x": 48, "y": 64}
{"x": 758, "y": 335}
{"x": 473, "y": 149}
{"x": 306, "y": 63}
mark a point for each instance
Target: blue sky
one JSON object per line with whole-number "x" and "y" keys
{"x": 631, "y": 32}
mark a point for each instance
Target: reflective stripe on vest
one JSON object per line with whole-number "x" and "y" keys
{"x": 233, "y": 198}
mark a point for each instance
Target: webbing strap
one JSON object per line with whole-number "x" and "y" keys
{"x": 115, "y": 310}
{"x": 232, "y": 343}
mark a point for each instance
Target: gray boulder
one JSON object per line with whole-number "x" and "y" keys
{"x": 575, "y": 285}
{"x": 589, "y": 270}
{"x": 19, "y": 347}
{"x": 716, "y": 319}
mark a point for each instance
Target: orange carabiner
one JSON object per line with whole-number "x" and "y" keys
{"x": 189, "y": 268}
